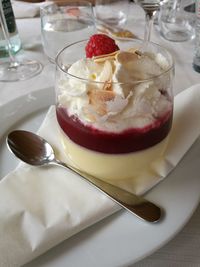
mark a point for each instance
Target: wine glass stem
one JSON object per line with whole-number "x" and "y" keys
{"x": 13, "y": 62}
{"x": 175, "y": 7}
{"x": 149, "y": 16}
{"x": 176, "y": 4}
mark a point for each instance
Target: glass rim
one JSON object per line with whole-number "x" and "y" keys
{"x": 171, "y": 66}
{"x": 69, "y": 3}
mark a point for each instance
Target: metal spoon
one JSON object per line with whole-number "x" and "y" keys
{"x": 34, "y": 150}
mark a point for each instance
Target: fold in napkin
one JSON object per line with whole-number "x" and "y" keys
{"x": 41, "y": 207}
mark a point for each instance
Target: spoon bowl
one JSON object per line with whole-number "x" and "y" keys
{"x": 36, "y": 151}
{"x": 30, "y": 148}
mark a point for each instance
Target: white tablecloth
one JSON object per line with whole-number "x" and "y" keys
{"x": 183, "y": 250}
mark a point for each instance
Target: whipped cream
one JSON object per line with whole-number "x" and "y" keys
{"x": 117, "y": 91}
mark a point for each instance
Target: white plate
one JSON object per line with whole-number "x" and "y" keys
{"x": 121, "y": 239}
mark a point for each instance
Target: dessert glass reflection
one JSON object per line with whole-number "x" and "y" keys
{"x": 114, "y": 111}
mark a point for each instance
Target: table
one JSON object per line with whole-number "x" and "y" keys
{"x": 183, "y": 250}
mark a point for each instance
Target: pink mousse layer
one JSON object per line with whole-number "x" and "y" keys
{"x": 130, "y": 140}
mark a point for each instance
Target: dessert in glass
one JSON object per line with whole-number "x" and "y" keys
{"x": 114, "y": 105}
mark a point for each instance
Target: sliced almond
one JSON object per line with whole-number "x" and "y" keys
{"x": 103, "y": 58}
{"x": 106, "y": 74}
{"x": 107, "y": 55}
{"x": 98, "y": 99}
{"x": 100, "y": 60}
{"x": 107, "y": 86}
{"x": 126, "y": 57}
{"x": 138, "y": 52}
{"x": 132, "y": 50}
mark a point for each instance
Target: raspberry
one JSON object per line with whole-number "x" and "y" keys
{"x": 73, "y": 11}
{"x": 100, "y": 44}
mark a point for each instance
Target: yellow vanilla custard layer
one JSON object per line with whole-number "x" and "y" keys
{"x": 112, "y": 166}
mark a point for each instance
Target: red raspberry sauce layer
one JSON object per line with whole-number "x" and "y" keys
{"x": 130, "y": 140}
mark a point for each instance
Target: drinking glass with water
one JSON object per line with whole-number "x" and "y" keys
{"x": 112, "y": 12}
{"x": 63, "y": 23}
{"x": 176, "y": 22}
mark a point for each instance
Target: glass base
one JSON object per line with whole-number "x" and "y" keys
{"x": 15, "y": 46}
{"x": 19, "y": 71}
{"x": 177, "y": 36}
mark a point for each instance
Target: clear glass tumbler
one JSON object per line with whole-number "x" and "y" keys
{"x": 65, "y": 22}
{"x": 111, "y": 12}
{"x": 114, "y": 114}
{"x": 176, "y": 23}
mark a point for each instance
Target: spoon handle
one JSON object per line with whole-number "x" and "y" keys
{"x": 137, "y": 205}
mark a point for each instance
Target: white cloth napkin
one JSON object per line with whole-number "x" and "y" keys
{"x": 26, "y": 10}
{"x": 41, "y": 207}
